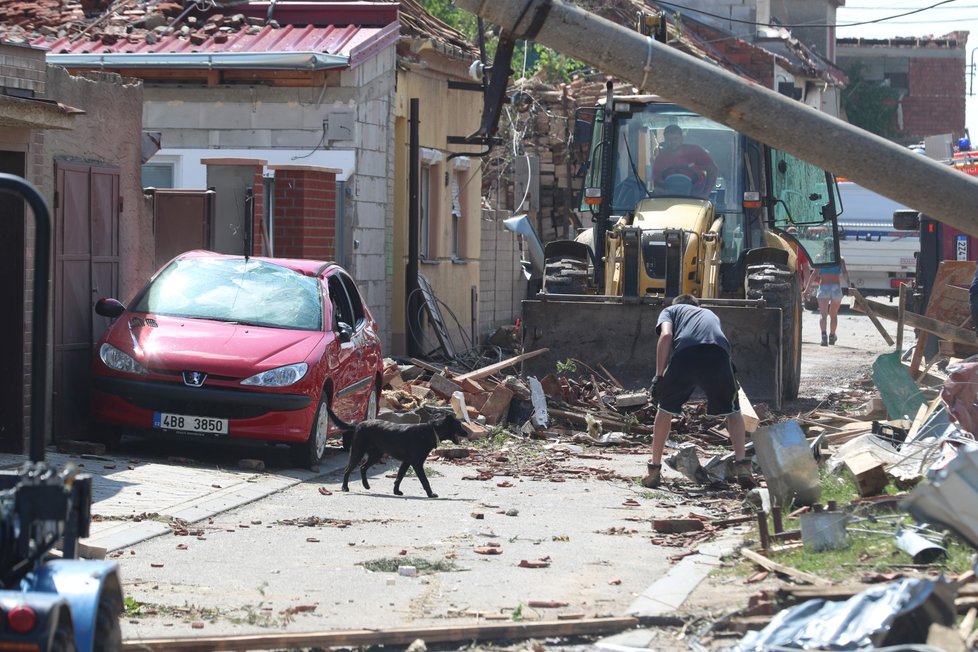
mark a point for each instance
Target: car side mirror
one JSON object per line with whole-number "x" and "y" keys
{"x": 346, "y": 332}
{"x": 111, "y": 308}
{"x": 906, "y": 220}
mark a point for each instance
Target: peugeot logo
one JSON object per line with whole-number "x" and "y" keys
{"x": 194, "y": 378}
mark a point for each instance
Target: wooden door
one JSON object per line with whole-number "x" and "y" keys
{"x": 86, "y": 267}
{"x": 12, "y": 395}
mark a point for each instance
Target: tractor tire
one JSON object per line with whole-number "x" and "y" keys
{"x": 565, "y": 276}
{"x": 778, "y": 286}
{"x": 63, "y": 639}
{"x": 108, "y": 631}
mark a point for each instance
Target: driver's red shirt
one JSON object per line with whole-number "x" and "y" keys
{"x": 686, "y": 156}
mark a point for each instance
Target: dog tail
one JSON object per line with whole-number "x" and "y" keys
{"x": 340, "y": 423}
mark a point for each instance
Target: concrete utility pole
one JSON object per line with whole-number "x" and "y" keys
{"x": 937, "y": 190}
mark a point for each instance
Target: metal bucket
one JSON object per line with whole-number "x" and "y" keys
{"x": 824, "y": 531}
{"x": 921, "y": 549}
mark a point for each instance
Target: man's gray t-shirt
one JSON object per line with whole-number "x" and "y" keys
{"x": 692, "y": 326}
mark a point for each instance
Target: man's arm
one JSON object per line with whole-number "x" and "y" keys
{"x": 663, "y": 348}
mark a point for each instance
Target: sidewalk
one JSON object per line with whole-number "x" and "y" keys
{"x": 134, "y": 499}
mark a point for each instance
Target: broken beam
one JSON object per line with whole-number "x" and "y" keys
{"x": 942, "y": 329}
{"x": 399, "y": 636}
{"x": 499, "y": 366}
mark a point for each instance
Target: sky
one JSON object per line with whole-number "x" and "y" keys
{"x": 937, "y": 19}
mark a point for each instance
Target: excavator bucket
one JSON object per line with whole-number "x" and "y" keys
{"x": 620, "y": 337}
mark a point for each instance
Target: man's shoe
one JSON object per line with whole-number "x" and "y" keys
{"x": 653, "y": 478}
{"x": 744, "y": 474}
{"x": 832, "y": 339}
{"x": 825, "y": 339}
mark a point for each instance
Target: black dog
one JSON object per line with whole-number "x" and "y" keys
{"x": 409, "y": 443}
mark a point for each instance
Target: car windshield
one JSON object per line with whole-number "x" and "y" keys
{"x": 235, "y": 290}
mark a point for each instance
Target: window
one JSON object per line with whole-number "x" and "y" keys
{"x": 456, "y": 216}
{"x": 157, "y": 175}
{"x": 461, "y": 178}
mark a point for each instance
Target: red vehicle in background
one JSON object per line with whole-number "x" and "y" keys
{"x": 238, "y": 348}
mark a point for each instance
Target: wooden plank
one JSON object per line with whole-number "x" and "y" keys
{"x": 918, "y": 352}
{"x": 747, "y": 410}
{"x": 499, "y": 366}
{"x": 901, "y": 315}
{"x": 861, "y": 301}
{"x": 794, "y": 573}
{"x": 394, "y": 637}
{"x": 913, "y": 320}
{"x": 578, "y": 417}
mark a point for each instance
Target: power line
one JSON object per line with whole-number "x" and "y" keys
{"x": 756, "y": 24}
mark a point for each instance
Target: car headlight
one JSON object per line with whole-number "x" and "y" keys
{"x": 116, "y": 359}
{"x": 279, "y": 377}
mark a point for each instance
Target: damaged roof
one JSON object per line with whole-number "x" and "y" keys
{"x": 305, "y": 35}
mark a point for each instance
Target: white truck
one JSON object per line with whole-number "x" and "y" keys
{"x": 878, "y": 257}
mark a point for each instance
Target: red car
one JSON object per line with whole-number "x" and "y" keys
{"x": 236, "y": 347}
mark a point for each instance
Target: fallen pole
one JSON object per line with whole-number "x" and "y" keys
{"x": 399, "y": 636}
{"x": 938, "y": 190}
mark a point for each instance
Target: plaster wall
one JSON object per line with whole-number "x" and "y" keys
{"x": 443, "y": 113}
{"x": 110, "y": 133}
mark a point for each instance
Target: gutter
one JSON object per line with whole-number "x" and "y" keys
{"x": 201, "y": 60}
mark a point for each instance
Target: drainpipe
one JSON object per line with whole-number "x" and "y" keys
{"x": 412, "y": 289}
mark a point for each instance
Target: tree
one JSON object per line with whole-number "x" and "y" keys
{"x": 553, "y": 66}
{"x": 869, "y": 104}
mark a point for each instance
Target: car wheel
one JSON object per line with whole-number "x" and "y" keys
{"x": 372, "y": 403}
{"x": 310, "y": 452}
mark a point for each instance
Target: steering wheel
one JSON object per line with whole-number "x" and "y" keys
{"x": 697, "y": 177}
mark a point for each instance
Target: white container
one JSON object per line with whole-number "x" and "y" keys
{"x": 458, "y": 404}
{"x": 407, "y": 571}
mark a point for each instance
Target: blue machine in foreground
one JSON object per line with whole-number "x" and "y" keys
{"x": 48, "y": 603}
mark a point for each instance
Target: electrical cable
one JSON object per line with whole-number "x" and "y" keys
{"x": 750, "y": 22}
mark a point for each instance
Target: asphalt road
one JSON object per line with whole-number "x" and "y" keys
{"x": 520, "y": 533}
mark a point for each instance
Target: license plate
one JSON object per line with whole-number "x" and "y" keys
{"x": 188, "y": 423}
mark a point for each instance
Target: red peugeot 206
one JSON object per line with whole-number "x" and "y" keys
{"x": 238, "y": 347}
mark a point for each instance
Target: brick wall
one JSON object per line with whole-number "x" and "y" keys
{"x": 304, "y": 221}
{"x": 936, "y": 101}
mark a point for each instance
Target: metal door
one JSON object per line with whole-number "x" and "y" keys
{"x": 182, "y": 221}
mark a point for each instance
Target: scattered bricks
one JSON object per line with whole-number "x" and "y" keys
{"x": 74, "y": 447}
{"x": 477, "y": 516}
{"x": 395, "y": 382}
{"x": 497, "y": 407}
{"x": 391, "y": 370}
{"x": 677, "y": 525}
{"x": 470, "y": 386}
{"x": 526, "y": 563}
{"x": 631, "y": 399}
{"x": 442, "y": 386}
{"x": 517, "y": 386}
{"x": 475, "y": 431}
{"x": 420, "y": 391}
{"x": 868, "y": 472}
{"x": 546, "y": 604}
{"x": 551, "y": 387}
{"x": 477, "y": 400}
